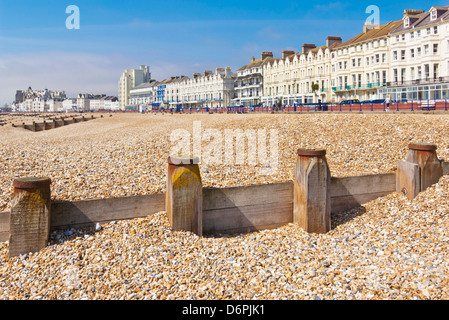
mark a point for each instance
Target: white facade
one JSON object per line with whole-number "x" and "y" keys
{"x": 143, "y": 95}
{"x": 129, "y": 80}
{"x": 419, "y": 54}
{"x": 249, "y": 81}
{"x": 404, "y": 59}
{"x": 69, "y": 105}
{"x": 289, "y": 80}
{"x": 212, "y": 90}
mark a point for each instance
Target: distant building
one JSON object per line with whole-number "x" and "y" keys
{"x": 144, "y": 95}
{"x": 130, "y": 79}
{"x": 203, "y": 90}
{"x": 69, "y": 105}
{"x": 249, "y": 81}
{"x": 22, "y": 95}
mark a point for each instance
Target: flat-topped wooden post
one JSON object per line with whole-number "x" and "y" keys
{"x": 311, "y": 199}
{"x": 184, "y": 195}
{"x": 30, "y": 215}
{"x": 420, "y": 170}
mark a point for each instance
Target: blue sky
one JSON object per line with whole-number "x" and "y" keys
{"x": 172, "y": 37}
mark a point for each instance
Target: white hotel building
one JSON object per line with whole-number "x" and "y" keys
{"x": 419, "y": 50}
{"x": 404, "y": 59}
{"x": 213, "y": 90}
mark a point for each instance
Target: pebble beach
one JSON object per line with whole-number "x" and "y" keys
{"x": 389, "y": 248}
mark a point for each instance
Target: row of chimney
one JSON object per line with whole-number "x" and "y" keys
{"x": 306, "y": 47}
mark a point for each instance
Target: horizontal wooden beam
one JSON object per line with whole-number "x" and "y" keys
{"x": 247, "y": 208}
{"x": 88, "y": 212}
{"x": 4, "y": 226}
{"x": 225, "y": 210}
{"x": 350, "y": 192}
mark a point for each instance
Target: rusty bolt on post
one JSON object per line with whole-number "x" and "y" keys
{"x": 30, "y": 215}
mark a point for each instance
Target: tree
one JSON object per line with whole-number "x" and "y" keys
{"x": 315, "y": 88}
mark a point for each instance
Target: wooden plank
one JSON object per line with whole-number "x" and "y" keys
{"x": 445, "y": 168}
{"x": 247, "y": 208}
{"x": 217, "y": 198}
{"x": 352, "y": 201}
{"x": 408, "y": 179}
{"x": 378, "y": 183}
{"x": 81, "y": 213}
{"x": 247, "y": 218}
{"x": 4, "y": 226}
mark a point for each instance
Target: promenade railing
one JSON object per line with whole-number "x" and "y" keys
{"x": 404, "y": 105}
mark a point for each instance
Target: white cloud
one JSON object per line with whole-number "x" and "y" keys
{"x": 72, "y": 72}
{"x": 78, "y": 72}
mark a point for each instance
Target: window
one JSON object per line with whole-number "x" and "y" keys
{"x": 367, "y": 61}
{"x": 406, "y": 22}
{"x": 377, "y": 58}
{"x": 402, "y": 54}
{"x": 435, "y": 48}
{"x": 433, "y": 14}
{"x": 427, "y": 71}
{"x": 395, "y": 55}
{"x": 359, "y": 61}
{"x": 403, "y": 37}
{"x": 412, "y": 35}
{"x": 428, "y": 30}
{"x": 353, "y": 62}
{"x": 419, "y": 51}
{"x": 418, "y": 33}
{"x": 412, "y": 53}
{"x": 397, "y": 38}
{"x": 435, "y": 30}
{"x": 384, "y": 57}
{"x": 426, "y": 49}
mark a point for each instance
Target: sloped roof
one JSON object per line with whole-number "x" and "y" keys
{"x": 372, "y": 34}
{"x": 255, "y": 64}
{"x": 423, "y": 19}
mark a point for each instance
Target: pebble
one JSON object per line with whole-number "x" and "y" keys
{"x": 389, "y": 248}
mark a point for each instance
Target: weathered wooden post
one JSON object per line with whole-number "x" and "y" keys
{"x": 184, "y": 195}
{"x": 419, "y": 170}
{"x": 311, "y": 200}
{"x": 30, "y": 215}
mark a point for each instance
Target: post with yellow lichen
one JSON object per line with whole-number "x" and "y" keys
{"x": 311, "y": 200}
{"x": 30, "y": 215}
{"x": 184, "y": 195}
{"x": 420, "y": 170}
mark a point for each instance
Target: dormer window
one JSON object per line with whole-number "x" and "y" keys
{"x": 433, "y": 14}
{"x": 406, "y": 22}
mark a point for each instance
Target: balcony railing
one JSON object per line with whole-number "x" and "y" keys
{"x": 418, "y": 81}
{"x": 372, "y": 85}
